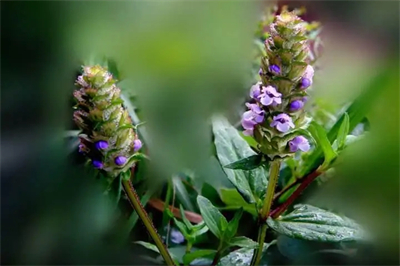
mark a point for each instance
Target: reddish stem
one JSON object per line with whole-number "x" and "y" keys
{"x": 306, "y": 181}
{"x": 285, "y": 189}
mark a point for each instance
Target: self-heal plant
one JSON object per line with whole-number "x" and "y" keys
{"x": 108, "y": 137}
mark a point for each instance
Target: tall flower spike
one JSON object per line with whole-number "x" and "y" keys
{"x": 286, "y": 75}
{"x": 107, "y": 135}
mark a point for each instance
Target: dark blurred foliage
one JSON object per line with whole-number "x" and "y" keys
{"x": 52, "y": 213}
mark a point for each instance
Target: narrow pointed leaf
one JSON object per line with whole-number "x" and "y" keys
{"x": 233, "y": 225}
{"x": 248, "y": 163}
{"x": 343, "y": 131}
{"x": 214, "y": 220}
{"x": 322, "y": 140}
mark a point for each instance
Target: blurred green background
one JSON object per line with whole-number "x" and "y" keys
{"x": 180, "y": 62}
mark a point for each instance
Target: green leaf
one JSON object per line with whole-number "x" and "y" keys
{"x": 184, "y": 230}
{"x": 233, "y": 225}
{"x": 231, "y": 147}
{"x": 343, "y": 131}
{"x": 189, "y": 226}
{"x": 188, "y": 258}
{"x": 148, "y": 246}
{"x": 214, "y": 220}
{"x": 248, "y": 163}
{"x": 175, "y": 252}
{"x": 311, "y": 223}
{"x": 322, "y": 140}
{"x": 250, "y": 140}
{"x": 243, "y": 242}
{"x": 233, "y": 199}
{"x": 241, "y": 257}
{"x": 199, "y": 232}
{"x": 182, "y": 194}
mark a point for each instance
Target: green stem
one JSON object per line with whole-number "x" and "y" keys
{"x": 188, "y": 247}
{"x": 218, "y": 254}
{"x": 135, "y": 201}
{"x": 263, "y": 215}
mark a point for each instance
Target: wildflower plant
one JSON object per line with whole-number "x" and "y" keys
{"x": 278, "y": 145}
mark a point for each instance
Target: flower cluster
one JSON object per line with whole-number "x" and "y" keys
{"x": 108, "y": 137}
{"x": 276, "y": 108}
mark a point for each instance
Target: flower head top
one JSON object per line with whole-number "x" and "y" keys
{"x": 107, "y": 136}
{"x": 277, "y": 103}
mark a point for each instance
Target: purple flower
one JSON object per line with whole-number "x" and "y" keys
{"x": 270, "y": 96}
{"x": 97, "y": 164}
{"x": 275, "y": 69}
{"x": 260, "y": 72}
{"x": 252, "y": 117}
{"x": 307, "y": 79}
{"x": 296, "y": 105}
{"x": 120, "y": 160}
{"x": 137, "y": 144}
{"x": 83, "y": 148}
{"x": 101, "y": 145}
{"x": 255, "y": 90}
{"x": 176, "y": 236}
{"x": 282, "y": 122}
{"x": 299, "y": 143}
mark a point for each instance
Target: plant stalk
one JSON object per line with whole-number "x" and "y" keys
{"x": 306, "y": 181}
{"x": 263, "y": 215}
{"x": 135, "y": 201}
{"x": 218, "y": 254}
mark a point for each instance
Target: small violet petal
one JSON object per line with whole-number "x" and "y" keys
{"x": 120, "y": 160}
{"x": 97, "y": 164}
{"x": 137, "y": 145}
{"x": 101, "y": 145}
{"x": 255, "y": 90}
{"x": 296, "y": 105}
{"x": 299, "y": 143}
{"x": 275, "y": 69}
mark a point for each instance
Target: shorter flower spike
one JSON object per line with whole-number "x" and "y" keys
{"x": 282, "y": 122}
{"x": 101, "y": 145}
{"x": 97, "y": 164}
{"x": 120, "y": 160}
{"x": 107, "y": 137}
{"x": 299, "y": 143}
